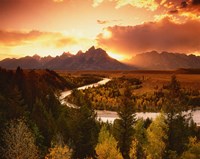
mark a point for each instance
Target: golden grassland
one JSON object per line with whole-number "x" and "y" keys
{"x": 151, "y": 80}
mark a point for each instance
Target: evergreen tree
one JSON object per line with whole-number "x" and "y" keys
{"x": 84, "y": 130}
{"x": 178, "y": 123}
{"x": 179, "y": 132}
{"x": 11, "y": 105}
{"x": 20, "y": 79}
{"x": 123, "y": 127}
{"x": 44, "y": 121}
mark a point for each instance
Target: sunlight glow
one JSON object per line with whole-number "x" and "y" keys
{"x": 116, "y": 56}
{"x": 196, "y": 53}
{"x": 106, "y": 34}
{"x": 58, "y": 1}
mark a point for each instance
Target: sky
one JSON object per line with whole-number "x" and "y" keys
{"x": 123, "y": 28}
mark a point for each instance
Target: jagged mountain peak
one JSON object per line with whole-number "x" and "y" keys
{"x": 49, "y": 56}
{"x": 36, "y": 56}
{"x": 66, "y": 55}
{"x": 79, "y": 53}
{"x": 91, "y": 49}
{"x": 97, "y": 52}
{"x": 92, "y": 59}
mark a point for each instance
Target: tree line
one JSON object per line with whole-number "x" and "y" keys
{"x": 108, "y": 96}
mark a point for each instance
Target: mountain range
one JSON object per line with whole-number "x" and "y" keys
{"x": 98, "y": 59}
{"x": 164, "y": 61}
{"x": 92, "y": 59}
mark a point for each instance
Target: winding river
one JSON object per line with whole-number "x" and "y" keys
{"x": 110, "y": 116}
{"x": 68, "y": 92}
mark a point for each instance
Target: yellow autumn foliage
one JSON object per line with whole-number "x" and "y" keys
{"x": 59, "y": 152}
{"x": 107, "y": 146}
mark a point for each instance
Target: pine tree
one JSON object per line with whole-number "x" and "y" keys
{"x": 178, "y": 123}
{"x": 83, "y": 130}
{"x": 44, "y": 121}
{"x": 123, "y": 127}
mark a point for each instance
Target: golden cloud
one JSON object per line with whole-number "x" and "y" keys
{"x": 164, "y": 35}
{"x": 58, "y": 1}
{"x": 63, "y": 42}
{"x": 102, "y": 21}
{"x": 148, "y": 4}
{"x": 15, "y": 38}
{"x": 16, "y": 43}
{"x": 97, "y": 3}
{"x": 185, "y": 8}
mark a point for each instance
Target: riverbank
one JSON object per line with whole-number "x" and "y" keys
{"x": 66, "y": 93}
{"x": 110, "y": 116}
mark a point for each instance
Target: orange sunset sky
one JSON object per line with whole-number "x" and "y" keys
{"x": 122, "y": 27}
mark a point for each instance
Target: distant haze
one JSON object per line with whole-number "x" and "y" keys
{"x": 98, "y": 59}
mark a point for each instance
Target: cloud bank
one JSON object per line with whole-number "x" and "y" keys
{"x": 15, "y": 43}
{"x": 148, "y": 4}
{"x": 164, "y": 35}
{"x": 186, "y": 8}
{"x": 16, "y": 38}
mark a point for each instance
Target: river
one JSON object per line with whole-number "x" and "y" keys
{"x": 68, "y": 92}
{"x": 110, "y": 116}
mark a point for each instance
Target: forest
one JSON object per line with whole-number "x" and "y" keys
{"x": 108, "y": 96}
{"x": 35, "y": 125}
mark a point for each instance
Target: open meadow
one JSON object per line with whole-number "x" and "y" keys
{"x": 151, "y": 80}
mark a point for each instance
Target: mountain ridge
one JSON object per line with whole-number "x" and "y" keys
{"x": 92, "y": 59}
{"x": 164, "y": 61}
{"x": 98, "y": 59}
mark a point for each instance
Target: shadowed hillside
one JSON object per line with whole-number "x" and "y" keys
{"x": 165, "y": 60}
